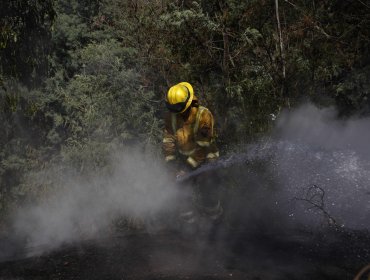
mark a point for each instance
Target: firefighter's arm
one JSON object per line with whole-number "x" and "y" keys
{"x": 205, "y": 138}
{"x": 169, "y": 141}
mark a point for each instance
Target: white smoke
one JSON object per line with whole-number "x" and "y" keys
{"x": 321, "y": 127}
{"x": 138, "y": 186}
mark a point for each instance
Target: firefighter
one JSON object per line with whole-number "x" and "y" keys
{"x": 188, "y": 142}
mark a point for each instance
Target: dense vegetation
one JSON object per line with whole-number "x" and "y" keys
{"x": 79, "y": 78}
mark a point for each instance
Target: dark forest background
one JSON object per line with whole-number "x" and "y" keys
{"x": 80, "y": 79}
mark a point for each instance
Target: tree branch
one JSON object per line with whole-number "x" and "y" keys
{"x": 281, "y": 43}
{"x": 313, "y": 192}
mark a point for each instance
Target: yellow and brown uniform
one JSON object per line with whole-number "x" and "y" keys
{"x": 190, "y": 136}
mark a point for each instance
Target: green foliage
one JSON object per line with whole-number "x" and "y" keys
{"x": 105, "y": 66}
{"x": 106, "y": 100}
{"x": 24, "y": 36}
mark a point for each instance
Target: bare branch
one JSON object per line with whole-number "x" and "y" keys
{"x": 313, "y": 192}
{"x": 315, "y": 25}
{"x": 281, "y": 43}
{"x": 367, "y": 6}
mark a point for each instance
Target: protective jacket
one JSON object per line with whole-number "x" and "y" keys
{"x": 190, "y": 136}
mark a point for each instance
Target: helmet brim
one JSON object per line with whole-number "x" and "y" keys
{"x": 190, "y": 97}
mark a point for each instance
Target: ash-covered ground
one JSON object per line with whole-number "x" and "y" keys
{"x": 222, "y": 254}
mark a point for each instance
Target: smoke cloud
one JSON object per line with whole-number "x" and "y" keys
{"x": 309, "y": 147}
{"x": 138, "y": 188}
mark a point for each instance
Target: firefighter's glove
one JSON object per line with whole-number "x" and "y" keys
{"x": 180, "y": 174}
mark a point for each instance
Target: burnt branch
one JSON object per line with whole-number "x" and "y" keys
{"x": 315, "y": 197}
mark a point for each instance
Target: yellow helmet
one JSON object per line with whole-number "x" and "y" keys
{"x": 179, "y": 97}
